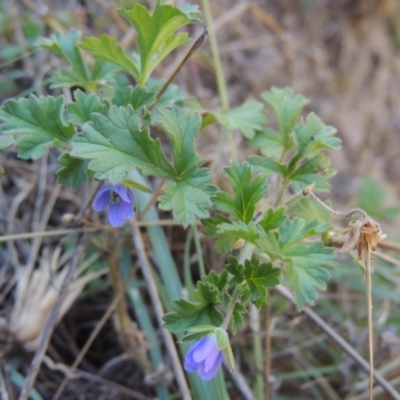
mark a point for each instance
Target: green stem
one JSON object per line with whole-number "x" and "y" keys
{"x": 187, "y": 273}
{"x": 245, "y": 253}
{"x": 258, "y": 352}
{"x": 282, "y": 187}
{"x": 202, "y": 270}
{"x": 219, "y": 73}
{"x": 236, "y": 294}
{"x": 216, "y": 56}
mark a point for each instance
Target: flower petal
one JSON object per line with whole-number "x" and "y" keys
{"x": 205, "y": 374}
{"x": 126, "y": 209}
{"x": 210, "y": 360}
{"x": 102, "y": 198}
{"x": 115, "y": 216}
{"x": 208, "y": 346}
{"x": 190, "y": 365}
{"x": 122, "y": 192}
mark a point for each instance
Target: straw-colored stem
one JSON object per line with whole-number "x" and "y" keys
{"x": 370, "y": 322}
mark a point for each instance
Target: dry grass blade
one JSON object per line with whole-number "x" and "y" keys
{"x": 353, "y": 353}
{"x": 45, "y": 339}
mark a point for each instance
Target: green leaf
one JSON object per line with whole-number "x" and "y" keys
{"x": 37, "y": 123}
{"x": 67, "y": 78}
{"x": 224, "y": 242}
{"x": 182, "y": 126}
{"x": 305, "y": 273}
{"x": 248, "y": 118}
{"x": 156, "y": 33}
{"x": 255, "y": 276}
{"x": 73, "y": 171}
{"x": 258, "y": 277}
{"x": 188, "y": 193}
{"x": 6, "y": 141}
{"x": 287, "y": 107}
{"x": 84, "y": 105}
{"x": 106, "y": 48}
{"x": 66, "y": 47}
{"x": 115, "y": 145}
{"x": 103, "y": 70}
{"x": 237, "y": 317}
{"x": 188, "y": 199}
{"x": 270, "y": 142}
{"x": 80, "y": 74}
{"x": 239, "y": 230}
{"x": 201, "y": 311}
{"x": 295, "y": 231}
{"x": 309, "y": 210}
{"x": 191, "y": 11}
{"x": 268, "y": 166}
{"x": 305, "y": 264}
{"x": 220, "y": 281}
{"x": 197, "y": 332}
{"x": 235, "y": 269}
{"x": 273, "y": 219}
{"x": 171, "y": 97}
{"x": 137, "y": 97}
{"x": 315, "y": 171}
{"x": 130, "y": 183}
{"x": 371, "y": 198}
{"x": 312, "y": 135}
{"x": 247, "y": 192}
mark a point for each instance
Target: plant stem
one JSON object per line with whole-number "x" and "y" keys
{"x": 257, "y": 350}
{"x": 235, "y": 297}
{"x": 370, "y": 322}
{"x": 267, "y": 363}
{"x": 219, "y": 73}
{"x": 245, "y": 253}
{"x": 282, "y": 187}
{"x": 223, "y": 93}
{"x": 202, "y": 269}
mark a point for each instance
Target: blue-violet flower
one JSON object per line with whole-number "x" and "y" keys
{"x": 120, "y": 202}
{"x": 204, "y": 357}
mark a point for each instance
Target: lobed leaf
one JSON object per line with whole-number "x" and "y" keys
{"x": 306, "y": 272}
{"x": 137, "y": 97}
{"x": 224, "y": 242}
{"x": 182, "y": 126}
{"x": 258, "y": 278}
{"x": 313, "y": 135}
{"x": 66, "y": 47}
{"x": 84, "y": 105}
{"x": 156, "y": 33}
{"x": 248, "y": 118}
{"x": 73, "y": 171}
{"x": 247, "y": 192}
{"x": 188, "y": 199}
{"x": 106, "y": 48}
{"x": 36, "y": 123}
{"x": 287, "y": 107}
{"x": 201, "y": 311}
{"x": 115, "y": 145}
{"x": 270, "y": 142}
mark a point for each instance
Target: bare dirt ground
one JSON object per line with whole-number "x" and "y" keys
{"x": 342, "y": 55}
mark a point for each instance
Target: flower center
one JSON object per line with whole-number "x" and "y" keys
{"x": 115, "y": 198}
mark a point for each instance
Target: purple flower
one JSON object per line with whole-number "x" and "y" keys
{"x": 120, "y": 202}
{"x": 204, "y": 357}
